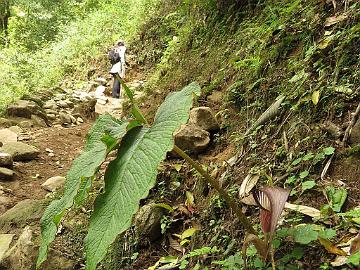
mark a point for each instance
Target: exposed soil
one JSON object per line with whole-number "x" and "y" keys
{"x": 66, "y": 144}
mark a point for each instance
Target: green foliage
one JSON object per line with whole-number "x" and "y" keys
{"x": 354, "y": 259}
{"x": 81, "y": 34}
{"x": 128, "y": 178}
{"x": 78, "y": 179}
{"x": 337, "y": 197}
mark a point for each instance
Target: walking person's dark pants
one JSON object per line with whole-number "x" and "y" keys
{"x": 116, "y": 88}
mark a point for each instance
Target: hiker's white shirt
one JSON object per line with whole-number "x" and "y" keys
{"x": 119, "y": 67}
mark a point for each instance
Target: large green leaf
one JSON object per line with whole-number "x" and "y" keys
{"x": 79, "y": 176}
{"x": 132, "y": 174}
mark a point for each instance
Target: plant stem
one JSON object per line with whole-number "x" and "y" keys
{"x": 230, "y": 201}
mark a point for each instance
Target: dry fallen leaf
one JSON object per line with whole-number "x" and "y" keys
{"x": 175, "y": 245}
{"x": 331, "y": 248}
{"x": 355, "y": 244}
{"x": 248, "y": 184}
{"x": 334, "y": 20}
{"x": 339, "y": 261}
{"x": 306, "y": 210}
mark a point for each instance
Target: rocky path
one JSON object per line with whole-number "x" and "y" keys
{"x": 39, "y": 138}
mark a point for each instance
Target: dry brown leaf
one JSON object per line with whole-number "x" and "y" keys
{"x": 339, "y": 261}
{"x": 248, "y": 184}
{"x": 175, "y": 245}
{"x": 306, "y": 210}
{"x": 334, "y": 20}
{"x": 331, "y": 248}
{"x": 355, "y": 244}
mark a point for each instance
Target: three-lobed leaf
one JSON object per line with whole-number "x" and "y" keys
{"x": 132, "y": 174}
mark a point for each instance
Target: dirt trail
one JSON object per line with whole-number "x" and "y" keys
{"x": 58, "y": 145}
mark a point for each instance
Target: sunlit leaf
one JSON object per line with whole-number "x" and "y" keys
{"x": 315, "y": 97}
{"x": 331, "y": 248}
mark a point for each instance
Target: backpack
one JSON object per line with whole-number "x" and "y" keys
{"x": 114, "y": 57}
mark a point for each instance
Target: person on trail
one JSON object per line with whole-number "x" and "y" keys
{"x": 117, "y": 59}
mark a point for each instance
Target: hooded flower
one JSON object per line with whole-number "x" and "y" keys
{"x": 271, "y": 201}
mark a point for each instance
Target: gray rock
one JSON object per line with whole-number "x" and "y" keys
{"x": 6, "y": 174}
{"x": 51, "y": 105}
{"x": 204, "y": 118}
{"x": 53, "y": 183}
{"x": 100, "y": 90}
{"x": 23, "y": 212}
{"x": 6, "y": 160}
{"x": 86, "y": 109}
{"x": 7, "y": 136}
{"x": 58, "y": 261}
{"x": 38, "y": 121}
{"x": 22, "y": 255}
{"x": 48, "y": 111}
{"x": 18, "y": 130}
{"x": 26, "y": 124}
{"x": 51, "y": 116}
{"x": 355, "y": 133}
{"x": 101, "y": 81}
{"x": 63, "y": 104}
{"x": 22, "y": 108}
{"x": 20, "y": 151}
{"x": 64, "y": 118}
{"x": 4, "y": 122}
{"x": 5, "y": 241}
{"x": 147, "y": 223}
{"x": 191, "y": 138}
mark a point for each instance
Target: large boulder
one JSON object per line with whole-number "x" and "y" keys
{"x": 5, "y": 122}
{"x": 204, "y": 118}
{"x": 20, "y": 151}
{"x": 191, "y": 138}
{"x": 147, "y": 223}
{"x": 355, "y": 133}
{"x": 22, "y": 108}
{"x": 7, "y": 136}
{"x": 23, "y": 212}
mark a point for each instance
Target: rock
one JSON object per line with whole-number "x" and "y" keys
{"x": 50, "y": 104}
{"x": 65, "y": 118}
{"x": 6, "y": 160}
{"x": 4, "y": 122}
{"x": 69, "y": 103}
{"x": 79, "y": 120}
{"x": 51, "y": 116}
{"x": 22, "y": 256}
{"x": 58, "y": 261}
{"x": 38, "y": 121}
{"x": 355, "y": 133}
{"x": 22, "y": 108}
{"x": 23, "y": 212}
{"x": 26, "y": 124}
{"x": 204, "y": 118}
{"x": 48, "y": 111}
{"x": 7, "y": 136}
{"x": 20, "y": 151}
{"x": 53, "y": 183}
{"x": 16, "y": 129}
{"x": 86, "y": 109}
{"x": 6, "y": 174}
{"x": 5, "y": 241}
{"x": 101, "y": 81}
{"x": 147, "y": 223}
{"x": 62, "y": 104}
{"x": 100, "y": 90}
{"x": 192, "y": 138}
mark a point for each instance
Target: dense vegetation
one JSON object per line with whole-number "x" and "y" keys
{"x": 46, "y": 41}
{"x": 245, "y": 55}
